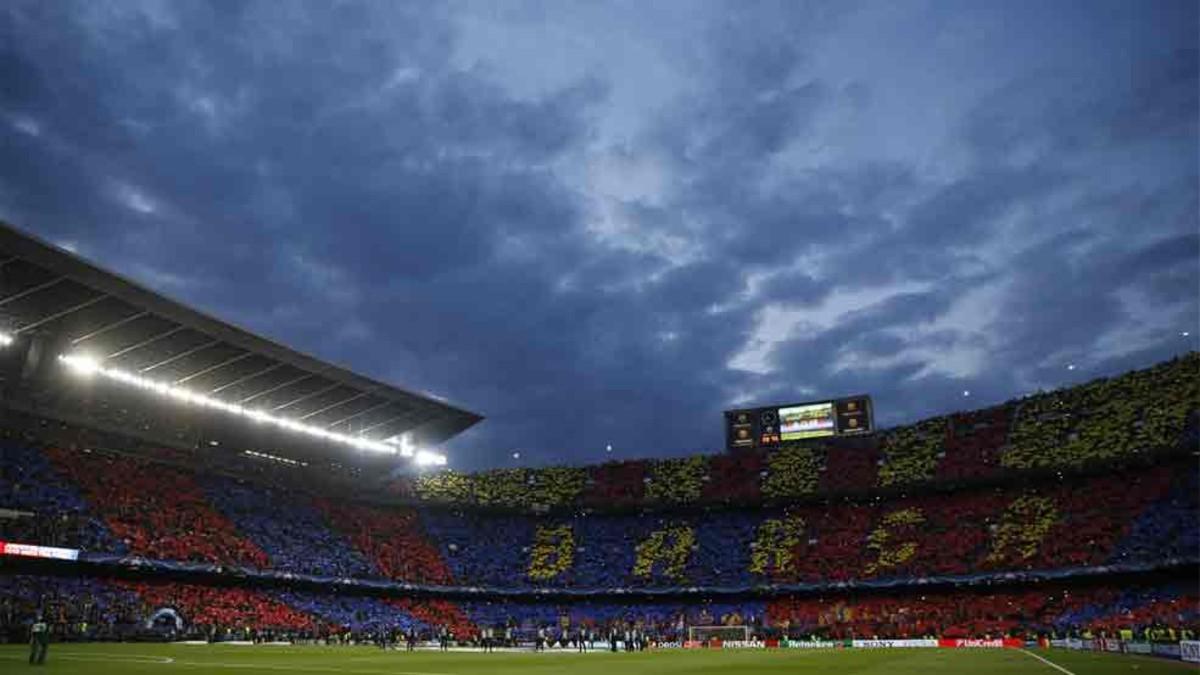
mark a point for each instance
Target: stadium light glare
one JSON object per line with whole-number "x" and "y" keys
{"x": 6, "y": 339}
{"x": 427, "y": 458}
{"x": 86, "y": 365}
{"x": 407, "y": 447}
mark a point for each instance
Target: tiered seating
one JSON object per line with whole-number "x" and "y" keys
{"x": 910, "y": 453}
{"x": 491, "y": 552}
{"x": 287, "y": 527}
{"x": 445, "y": 487}
{"x": 734, "y": 478}
{"x": 556, "y": 485}
{"x": 677, "y": 481}
{"x": 437, "y": 614}
{"x": 616, "y": 485}
{"x": 665, "y": 620}
{"x": 97, "y": 609}
{"x": 1106, "y": 419}
{"x": 884, "y": 526}
{"x": 996, "y": 613}
{"x": 213, "y": 607}
{"x": 76, "y": 608}
{"x": 392, "y": 541}
{"x": 1170, "y": 605}
{"x": 1149, "y": 410}
{"x": 501, "y": 487}
{"x": 850, "y": 468}
{"x": 1049, "y": 526}
{"x": 1141, "y": 516}
{"x": 973, "y": 444}
{"x": 157, "y": 511}
{"x": 358, "y": 614}
{"x": 793, "y": 471}
{"x": 29, "y": 483}
{"x": 1169, "y": 528}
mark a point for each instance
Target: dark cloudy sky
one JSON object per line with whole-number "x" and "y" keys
{"x": 605, "y": 222}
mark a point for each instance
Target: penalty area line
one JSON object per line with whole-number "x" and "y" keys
{"x": 1048, "y": 662}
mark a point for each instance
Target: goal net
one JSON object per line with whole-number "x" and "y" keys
{"x": 722, "y": 633}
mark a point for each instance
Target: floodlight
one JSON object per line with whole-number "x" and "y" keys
{"x": 84, "y": 364}
{"x": 81, "y": 363}
{"x": 427, "y": 458}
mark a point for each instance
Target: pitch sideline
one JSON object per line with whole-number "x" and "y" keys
{"x": 1048, "y": 662}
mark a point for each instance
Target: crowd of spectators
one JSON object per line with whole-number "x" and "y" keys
{"x": 792, "y": 471}
{"x": 165, "y": 513}
{"x": 1061, "y": 611}
{"x": 663, "y": 621}
{"x": 1106, "y": 419}
{"x": 1169, "y": 528}
{"x": 1142, "y": 609}
{"x": 616, "y": 485}
{"x": 221, "y": 612}
{"x": 1052, "y": 525}
{"x": 973, "y": 445}
{"x": 88, "y": 609}
{"x": 817, "y": 513}
{"x": 74, "y": 608}
{"x": 516, "y": 488}
{"x": 392, "y": 541}
{"x": 677, "y": 481}
{"x": 287, "y": 527}
{"x": 1110, "y": 419}
{"x": 438, "y": 614}
{"x": 157, "y": 511}
{"x": 50, "y": 508}
{"x": 734, "y": 478}
{"x": 911, "y": 453}
{"x": 354, "y": 613}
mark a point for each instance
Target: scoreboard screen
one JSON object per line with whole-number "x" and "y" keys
{"x": 770, "y": 426}
{"x": 813, "y": 420}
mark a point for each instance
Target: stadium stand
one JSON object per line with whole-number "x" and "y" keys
{"x": 1044, "y": 496}
{"x": 288, "y": 527}
{"x": 392, "y": 540}
{"x": 989, "y": 613}
{"x": 157, "y": 511}
{"x": 95, "y": 609}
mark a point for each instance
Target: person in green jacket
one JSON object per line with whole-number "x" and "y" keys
{"x": 39, "y": 642}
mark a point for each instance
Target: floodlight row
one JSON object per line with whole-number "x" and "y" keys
{"x": 89, "y": 366}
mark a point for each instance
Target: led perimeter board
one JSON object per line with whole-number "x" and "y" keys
{"x": 770, "y": 426}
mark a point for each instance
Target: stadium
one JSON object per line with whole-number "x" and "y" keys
{"x": 179, "y": 493}
{"x": 528, "y": 337}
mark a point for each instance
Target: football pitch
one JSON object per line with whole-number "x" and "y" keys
{"x": 114, "y": 659}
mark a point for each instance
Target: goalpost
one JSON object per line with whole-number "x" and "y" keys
{"x": 722, "y": 633}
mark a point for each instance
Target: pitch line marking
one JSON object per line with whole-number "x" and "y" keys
{"x": 116, "y": 658}
{"x": 1048, "y": 662}
{"x": 299, "y": 668}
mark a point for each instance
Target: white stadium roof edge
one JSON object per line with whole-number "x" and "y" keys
{"x": 62, "y": 317}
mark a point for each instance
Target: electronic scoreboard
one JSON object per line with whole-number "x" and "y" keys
{"x": 769, "y": 427}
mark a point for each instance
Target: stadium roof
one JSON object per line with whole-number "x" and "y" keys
{"x": 64, "y": 304}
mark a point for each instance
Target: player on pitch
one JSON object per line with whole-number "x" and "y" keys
{"x": 39, "y": 642}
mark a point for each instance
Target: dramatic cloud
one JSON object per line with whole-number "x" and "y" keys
{"x": 604, "y": 223}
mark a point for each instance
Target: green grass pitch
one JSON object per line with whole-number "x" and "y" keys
{"x": 152, "y": 659}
